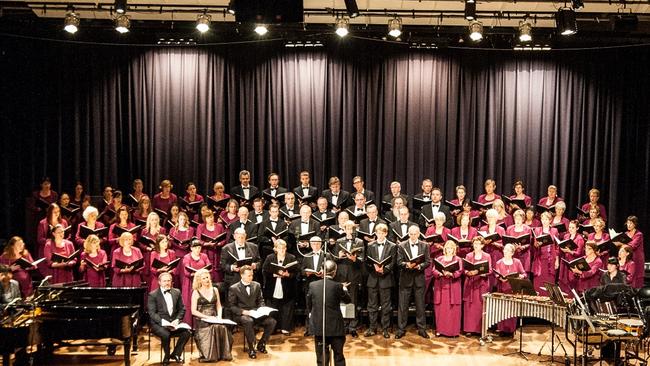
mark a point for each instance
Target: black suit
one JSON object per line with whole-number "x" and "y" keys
{"x": 253, "y": 216}
{"x": 427, "y": 210}
{"x": 388, "y": 198}
{"x": 342, "y": 201}
{"x": 240, "y": 300}
{"x": 238, "y": 192}
{"x": 313, "y": 193}
{"x": 157, "y": 309}
{"x": 295, "y": 229}
{"x": 228, "y": 255}
{"x": 380, "y": 284}
{"x": 351, "y": 210}
{"x": 364, "y": 226}
{"x": 249, "y": 226}
{"x": 396, "y": 226}
{"x": 334, "y": 328}
{"x": 370, "y": 196}
{"x": 265, "y": 238}
{"x": 349, "y": 271}
{"x": 286, "y": 303}
{"x": 411, "y": 281}
{"x": 279, "y": 191}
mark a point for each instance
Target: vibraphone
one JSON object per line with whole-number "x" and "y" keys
{"x": 498, "y": 307}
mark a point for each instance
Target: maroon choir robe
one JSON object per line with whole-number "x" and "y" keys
{"x": 638, "y": 257}
{"x": 131, "y": 279}
{"x": 590, "y": 278}
{"x": 544, "y": 201}
{"x": 176, "y": 233}
{"x": 153, "y": 272}
{"x": 534, "y": 223}
{"x": 629, "y": 268}
{"x": 602, "y": 238}
{"x": 187, "y": 276}
{"x": 79, "y": 241}
{"x": 52, "y": 198}
{"x": 528, "y": 201}
{"x": 213, "y": 252}
{"x": 522, "y": 252}
{"x": 587, "y": 206}
{"x": 544, "y": 257}
{"x": 506, "y": 222}
{"x": 146, "y": 250}
{"x": 43, "y": 232}
{"x": 21, "y": 275}
{"x": 567, "y": 279}
{"x": 95, "y": 277}
{"x": 473, "y": 290}
{"x": 163, "y": 204}
{"x": 483, "y": 198}
{"x": 434, "y": 251}
{"x": 65, "y": 274}
{"x": 508, "y": 325}
{"x": 447, "y": 299}
{"x": 494, "y": 249}
{"x": 226, "y": 221}
{"x": 457, "y": 232}
{"x": 113, "y": 239}
{"x": 140, "y": 217}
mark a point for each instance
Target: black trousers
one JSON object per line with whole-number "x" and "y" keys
{"x": 353, "y": 290}
{"x": 165, "y": 337}
{"x": 379, "y": 296}
{"x": 333, "y": 343}
{"x": 284, "y": 315}
{"x": 248, "y": 324}
{"x": 403, "y": 307}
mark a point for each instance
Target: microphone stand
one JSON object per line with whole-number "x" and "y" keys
{"x": 324, "y": 351}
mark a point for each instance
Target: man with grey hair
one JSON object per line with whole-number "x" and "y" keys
{"x": 325, "y": 318}
{"x": 244, "y": 223}
{"x": 236, "y": 254}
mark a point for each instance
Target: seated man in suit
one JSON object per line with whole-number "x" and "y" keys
{"x": 244, "y": 296}
{"x": 334, "y": 331}
{"x": 166, "y": 303}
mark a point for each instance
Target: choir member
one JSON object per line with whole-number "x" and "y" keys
{"x": 274, "y": 192}
{"x": 79, "y": 194}
{"x": 429, "y": 210}
{"x": 90, "y": 215}
{"x": 493, "y": 247}
{"x": 259, "y": 214}
{"x": 359, "y": 187}
{"x": 507, "y": 266}
{"x": 191, "y": 199}
{"x": 109, "y": 214}
{"x": 474, "y": 215}
{"x": 531, "y": 219}
{"x": 244, "y": 192}
{"x": 52, "y": 218}
{"x": 107, "y": 197}
{"x": 590, "y": 278}
{"x": 626, "y": 264}
{"x": 181, "y": 235}
{"x": 137, "y": 194}
{"x": 219, "y": 197}
{"x": 143, "y": 210}
{"x": 447, "y": 299}
{"x": 600, "y": 237}
{"x": 567, "y": 279}
{"x": 120, "y": 224}
{"x": 304, "y": 227}
{"x": 305, "y": 192}
{"x": 439, "y": 228}
{"x": 289, "y": 209}
{"x": 235, "y": 251}
{"x": 460, "y": 200}
{"x": 280, "y": 284}
{"x": 551, "y": 197}
{"x": 13, "y": 251}
{"x": 474, "y": 287}
{"x": 613, "y": 274}
{"x": 357, "y": 211}
{"x": 62, "y": 270}
{"x": 312, "y": 268}
{"x": 94, "y": 262}
{"x": 412, "y": 259}
{"x": 503, "y": 218}
{"x": 399, "y": 228}
{"x": 267, "y": 234}
{"x": 594, "y": 214}
{"x": 147, "y": 240}
{"x": 214, "y": 341}
{"x": 192, "y": 262}
{"x": 44, "y": 196}
{"x": 68, "y": 209}
{"x": 380, "y": 262}
{"x": 424, "y": 197}
{"x": 244, "y": 223}
{"x": 490, "y": 195}
{"x": 594, "y": 196}
{"x": 638, "y": 256}
{"x": 519, "y": 189}
{"x": 395, "y": 191}
{"x": 522, "y": 250}
{"x": 336, "y": 198}
{"x": 369, "y": 224}
{"x": 322, "y": 215}
{"x": 164, "y": 199}
{"x": 164, "y": 254}
{"x": 463, "y": 233}
{"x": 545, "y": 258}
{"x": 171, "y": 219}
{"x": 349, "y": 259}
{"x": 229, "y": 215}
{"x": 9, "y": 288}
{"x": 126, "y": 274}
{"x": 208, "y": 232}
{"x": 396, "y": 204}
{"x": 560, "y": 222}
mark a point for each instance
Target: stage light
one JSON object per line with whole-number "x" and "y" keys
{"x": 231, "y": 7}
{"x": 120, "y": 6}
{"x": 261, "y": 29}
{"x": 342, "y": 27}
{"x": 525, "y": 31}
{"x": 476, "y": 31}
{"x": 470, "y": 10}
{"x": 565, "y": 21}
{"x": 122, "y": 24}
{"x": 203, "y": 23}
{"x": 352, "y": 8}
{"x": 577, "y": 4}
{"x": 395, "y": 27}
{"x": 71, "y": 22}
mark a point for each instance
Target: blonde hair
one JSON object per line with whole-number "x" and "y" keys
{"x": 450, "y": 244}
{"x": 89, "y": 242}
{"x": 196, "y": 282}
{"x": 279, "y": 243}
{"x": 124, "y": 236}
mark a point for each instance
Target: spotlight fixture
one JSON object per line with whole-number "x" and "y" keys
{"x": 470, "y": 10}
{"x": 565, "y": 21}
{"x": 342, "y": 27}
{"x": 120, "y": 6}
{"x": 231, "y": 6}
{"x": 525, "y": 31}
{"x": 122, "y": 24}
{"x": 261, "y": 29}
{"x": 203, "y": 23}
{"x": 71, "y": 22}
{"x": 476, "y": 31}
{"x": 395, "y": 27}
{"x": 352, "y": 8}
{"x": 577, "y": 4}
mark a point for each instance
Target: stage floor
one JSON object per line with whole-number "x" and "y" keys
{"x": 295, "y": 349}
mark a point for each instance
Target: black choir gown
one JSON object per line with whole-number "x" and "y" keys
{"x": 213, "y": 340}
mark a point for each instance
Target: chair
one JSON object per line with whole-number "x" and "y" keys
{"x": 172, "y": 345}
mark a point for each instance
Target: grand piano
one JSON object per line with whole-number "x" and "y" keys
{"x": 62, "y": 313}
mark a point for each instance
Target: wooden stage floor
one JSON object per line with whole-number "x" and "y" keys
{"x": 295, "y": 349}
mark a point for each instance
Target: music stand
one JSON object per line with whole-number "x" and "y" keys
{"x": 555, "y": 294}
{"x": 521, "y": 287}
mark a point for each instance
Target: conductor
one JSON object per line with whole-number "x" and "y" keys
{"x": 328, "y": 315}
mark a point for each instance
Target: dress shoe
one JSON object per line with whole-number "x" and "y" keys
{"x": 369, "y": 333}
{"x": 307, "y": 334}
{"x": 177, "y": 358}
{"x": 252, "y": 354}
{"x": 399, "y": 335}
{"x": 386, "y": 334}
{"x": 354, "y": 334}
{"x": 261, "y": 347}
{"x": 165, "y": 361}
{"x": 423, "y": 334}
{"x": 285, "y": 332}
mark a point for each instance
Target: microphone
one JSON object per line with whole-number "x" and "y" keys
{"x": 45, "y": 280}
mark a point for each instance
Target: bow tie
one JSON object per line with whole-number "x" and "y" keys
{"x": 380, "y": 244}
{"x": 414, "y": 245}
{"x": 435, "y": 205}
{"x": 304, "y": 222}
{"x": 241, "y": 248}
{"x": 245, "y": 187}
{"x": 335, "y": 195}
{"x": 274, "y": 221}
{"x": 167, "y": 291}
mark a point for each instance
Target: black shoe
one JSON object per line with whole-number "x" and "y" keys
{"x": 369, "y": 333}
{"x": 261, "y": 347}
{"x": 399, "y": 334}
{"x": 177, "y": 358}
{"x": 252, "y": 354}
{"x": 307, "y": 333}
{"x": 423, "y": 334}
{"x": 354, "y": 334}
{"x": 165, "y": 361}
{"x": 386, "y": 334}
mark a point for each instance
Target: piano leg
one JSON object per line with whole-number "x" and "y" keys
{"x": 6, "y": 358}
{"x": 127, "y": 351}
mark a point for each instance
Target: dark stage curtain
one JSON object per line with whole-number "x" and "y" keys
{"x": 106, "y": 115}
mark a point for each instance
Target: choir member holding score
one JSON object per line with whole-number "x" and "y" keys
{"x": 219, "y": 198}
{"x": 522, "y": 247}
{"x": 490, "y": 195}
{"x": 244, "y": 193}
{"x": 120, "y": 225}
{"x": 551, "y": 198}
{"x": 274, "y": 192}
{"x": 164, "y": 199}
{"x": 229, "y": 215}
{"x": 349, "y": 257}
{"x": 591, "y": 277}
{"x": 305, "y": 228}
{"x": 504, "y": 267}
{"x": 94, "y": 262}
{"x": 324, "y": 215}
{"x": 336, "y": 197}
{"x": 137, "y": 195}
{"x": 531, "y": 220}
{"x": 147, "y": 239}
{"x": 436, "y": 205}
{"x": 90, "y": 222}
{"x": 519, "y": 195}
{"x": 171, "y": 219}
{"x": 52, "y": 218}
{"x": 190, "y": 264}
{"x": 567, "y": 279}
{"x": 182, "y": 235}
{"x": 163, "y": 255}
{"x": 476, "y": 284}
{"x": 638, "y": 254}
{"x": 79, "y": 194}
{"x": 192, "y": 200}
{"x": 626, "y": 264}
{"x": 280, "y": 284}
{"x": 259, "y": 214}
{"x": 447, "y": 299}
{"x": 212, "y": 236}
{"x": 107, "y": 197}
{"x": 127, "y": 263}
{"x": 305, "y": 192}
{"x": 68, "y": 209}
{"x": 143, "y": 210}
{"x": 60, "y": 256}
{"x": 503, "y": 218}
{"x": 109, "y": 214}
{"x": 395, "y": 192}
{"x": 14, "y": 253}
{"x": 601, "y": 238}
{"x": 493, "y": 234}
{"x": 270, "y": 231}
{"x": 594, "y": 197}
{"x": 396, "y": 204}
{"x": 545, "y": 258}
{"x": 463, "y": 233}
{"x": 459, "y": 201}
{"x": 439, "y": 233}
{"x": 560, "y": 222}
{"x": 380, "y": 263}
{"x": 44, "y": 196}
{"x": 359, "y": 187}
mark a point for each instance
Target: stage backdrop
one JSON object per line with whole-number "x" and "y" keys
{"x": 108, "y": 114}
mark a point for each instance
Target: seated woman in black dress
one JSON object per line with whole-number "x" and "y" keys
{"x": 213, "y": 340}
